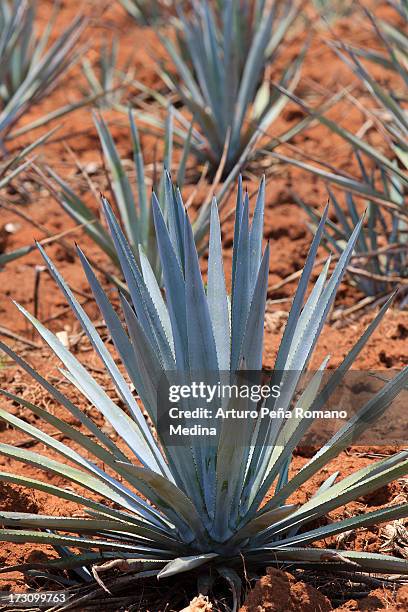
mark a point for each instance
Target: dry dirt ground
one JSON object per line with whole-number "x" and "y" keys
{"x": 76, "y": 144}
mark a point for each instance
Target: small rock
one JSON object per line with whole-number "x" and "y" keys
{"x": 274, "y": 321}
{"x": 63, "y": 338}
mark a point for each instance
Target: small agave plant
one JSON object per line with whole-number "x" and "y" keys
{"x": 218, "y": 72}
{"x": 132, "y": 195}
{"x": 30, "y": 67}
{"x": 389, "y": 113}
{"x": 381, "y": 252}
{"x": 197, "y": 506}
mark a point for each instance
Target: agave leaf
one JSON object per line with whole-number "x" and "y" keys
{"x": 217, "y": 294}
{"x": 11, "y": 175}
{"x": 352, "y": 487}
{"x": 140, "y": 173}
{"x": 72, "y": 562}
{"x": 329, "y": 558}
{"x": 119, "y": 336}
{"x": 252, "y": 345}
{"x": 121, "y": 185}
{"x": 368, "y": 519}
{"x": 299, "y": 296}
{"x": 22, "y": 154}
{"x": 154, "y": 290}
{"x": 186, "y": 152}
{"x": 68, "y": 431}
{"x": 355, "y": 141}
{"x": 265, "y": 520}
{"x": 241, "y": 295}
{"x": 237, "y": 227}
{"x": 202, "y": 353}
{"x": 22, "y": 535}
{"x": 149, "y": 366}
{"x": 185, "y": 564}
{"x": 252, "y": 69}
{"x": 74, "y": 206}
{"x": 176, "y": 219}
{"x": 350, "y": 184}
{"x": 174, "y": 283}
{"x": 79, "y": 525}
{"x": 141, "y": 299}
{"x": 183, "y": 69}
{"x": 312, "y": 319}
{"x": 5, "y": 258}
{"x": 256, "y": 234}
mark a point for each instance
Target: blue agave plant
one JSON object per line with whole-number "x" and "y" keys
{"x": 192, "y": 506}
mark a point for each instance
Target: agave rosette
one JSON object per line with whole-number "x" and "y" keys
{"x": 184, "y": 507}
{"x": 389, "y": 116}
{"x": 31, "y": 67}
{"x": 218, "y": 72}
{"x": 378, "y": 265}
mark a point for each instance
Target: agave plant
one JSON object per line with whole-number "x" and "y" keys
{"x": 30, "y": 68}
{"x": 220, "y": 60}
{"x": 380, "y": 262}
{"x": 390, "y": 115}
{"x": 134, "y": 204}
{"x": 391, "y": 111}
{"x": 105, "y": 80}
{"x": 199, "y": 505}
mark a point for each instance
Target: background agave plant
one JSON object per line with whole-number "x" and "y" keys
{"x": 381, "y": 254}
{"x": 134, "y": 204}
{"x": 206, "y": 499}
{"x": 389, "y": 117}
{"x": 219, "y": 60}
{"x": 30, "y": 68}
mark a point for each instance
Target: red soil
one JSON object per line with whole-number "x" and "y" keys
{"x": 279, "y": 591}
{"x": 285, "y": 227}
